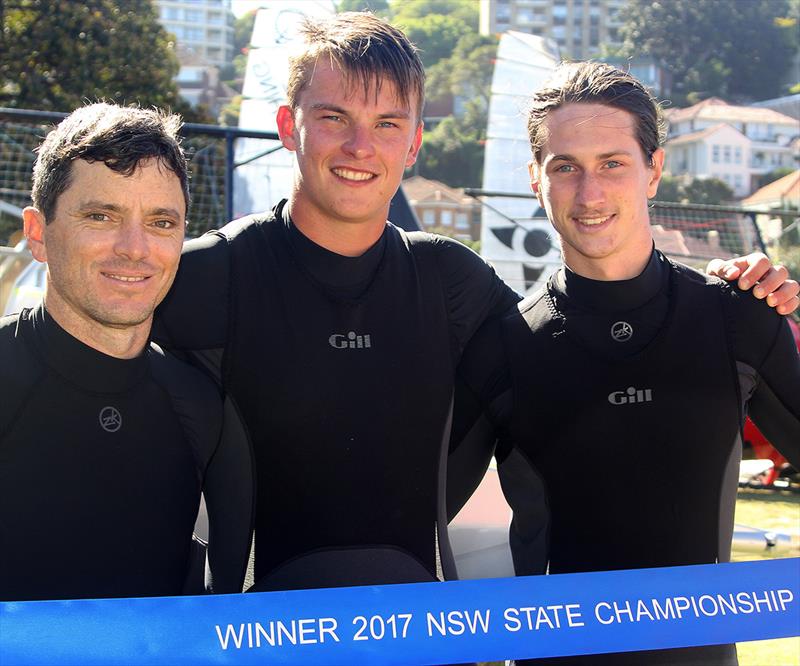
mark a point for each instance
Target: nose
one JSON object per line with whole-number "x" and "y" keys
{"x": 131, "y": 241}
{"x": 589, "y": 192}
{"x": 358, "y": 143}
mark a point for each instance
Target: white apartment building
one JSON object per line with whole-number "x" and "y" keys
{"x": 204, "y": 27}
{"x": 578, "y": 27}
{"x": 714, "y": 139}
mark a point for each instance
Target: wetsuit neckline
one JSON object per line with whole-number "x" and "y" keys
{"x": 80, "y": 364}
{"x": 340, "y": 276}
{"x": 612, "y": 295}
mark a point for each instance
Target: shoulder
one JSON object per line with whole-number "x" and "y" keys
{"x": 195, "y": 399}
{"x": 20, "y": 369}
{"x": 182, "y": 380}
{"x": 752, "y": 324}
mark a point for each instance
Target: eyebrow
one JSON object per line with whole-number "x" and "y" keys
{"x": 394, "y": 113}
{"x": 105, "y": 205}
{"x": 603, "y": 156}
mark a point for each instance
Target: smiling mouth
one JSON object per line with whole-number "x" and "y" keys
{"x": 357, "y": 176}
{"x": 126, "y": 278}
{"x": 592, "y": 221}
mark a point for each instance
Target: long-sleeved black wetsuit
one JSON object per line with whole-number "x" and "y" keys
{"x": 343, "y": 368}
{"x": 622, "y": 404}
{"x": 102, "y": 462}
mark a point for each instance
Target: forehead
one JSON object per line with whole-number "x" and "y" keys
{"x": 151, "y": 182}
{"x": 588, "y": 125}
{"x": 328, "y": 83}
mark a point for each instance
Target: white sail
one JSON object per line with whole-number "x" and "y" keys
{"x": 515, "y": 235}
{"x": 266, "y": 172}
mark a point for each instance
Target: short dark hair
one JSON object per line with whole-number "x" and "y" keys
{"x": 597, "y": 83}
{"x": 119, "y": 137}
{"x": 366, "y": 49}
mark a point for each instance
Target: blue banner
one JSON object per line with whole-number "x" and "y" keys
{"x": 427, "y": 623}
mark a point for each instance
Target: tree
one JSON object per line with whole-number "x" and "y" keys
{"x": 435, "y": 35}
{"x": 708, "y": 191}
{"x": 57, "y": 54}
{"x": 467, "y": 11}
{"x": 714, "y": 47}
{"x": 378, "y": 7}
{"x": 669, "y": 189}
{"x": 453, "y": 152}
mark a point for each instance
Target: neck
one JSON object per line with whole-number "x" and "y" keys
{"x": 609, "y": 268}
{"x": 119, "y": 342}
{"x": 347, "y": 238}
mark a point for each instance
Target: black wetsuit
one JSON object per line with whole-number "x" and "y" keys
{"x": 621, "y": 403}
{"x": 102, "y": 462}
{"x": 343, "y": 367}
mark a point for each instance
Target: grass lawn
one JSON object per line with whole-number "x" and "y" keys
{"x": 771, "y": 511}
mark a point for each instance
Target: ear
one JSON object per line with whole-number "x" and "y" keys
{"x": 33, "y": 226}
{"x": 285, "y": 120}
{"x": 656, "y": 169}
{"x": 415, "y": 146}
{"x": 535, "y": 172}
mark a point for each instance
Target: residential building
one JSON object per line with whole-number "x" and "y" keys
{"x": 579, "y": 27}
{"x": 200, "y": 84}
{"x": 204, "y": 27}
{"x": 781, "y": 194}
{"x": 443, "y": 209}
{"x": 737, "y": 144}
{"x": 788, "y": 105}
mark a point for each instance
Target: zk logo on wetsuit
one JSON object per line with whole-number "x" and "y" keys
{"x": 110, "y": 419}
{"x": 621, "y": 331}
{"x": 350, "y": 341}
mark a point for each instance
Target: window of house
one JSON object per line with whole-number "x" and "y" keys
{"x": 446, "y": 218}
{"x": 193, "y": 16}
{"x": 726, "y": 154}
{"x": 737, "y": 154}
{"x": 462, "y": 221}
{"x": 715, "y": 153}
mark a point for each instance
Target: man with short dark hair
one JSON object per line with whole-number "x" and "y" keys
{"x": 633, "y": 368}
{"x": 105, "y": 441}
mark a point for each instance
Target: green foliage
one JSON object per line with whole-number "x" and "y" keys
{"x": 453, "y": 152}
{"x": 714, "y": 47}
{"x": 435, "y": 35}
{"x": 772, "y": 176}
{"x": 467, "y": 11}
{"x": 57, "y": 54}
{"x": 467, "y": 72}
{"x": 669, "y": 189}
{"x": 707, "y": 191}
{"x": 378, "y": 7}
{"x": 229, "y": 114}
{"x": 243, "y": 31}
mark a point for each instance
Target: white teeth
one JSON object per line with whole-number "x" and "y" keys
{"x": 125, "y": 278}
{"x": 592, "y": 221}
{"x": 347, "y": 174}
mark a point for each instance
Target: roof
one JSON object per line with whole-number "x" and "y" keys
{"x": 700, "y": 134}
{"x": 784, "y": 188}
{"x": 715, "y": 108}
{"x": 421, "y": 189}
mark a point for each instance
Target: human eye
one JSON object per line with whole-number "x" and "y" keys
{"x": 564, "y": 168}
{"x": 164, "y": 223}
{"x": 95, "y": 216}
{"x": 613, "y": 164}
{"x": 387, "y": 123}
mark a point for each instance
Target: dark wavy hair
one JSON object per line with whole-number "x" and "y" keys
{"x": 119, "y": 137}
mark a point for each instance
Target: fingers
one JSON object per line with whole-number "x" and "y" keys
{"x": 727, "y": 270}
{"x": 785, "y": 298}
{"x": 757, "y": 268}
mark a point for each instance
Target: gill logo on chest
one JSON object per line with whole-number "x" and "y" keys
{"x": 350, "y": 341}
{"x": 630, "y": 396}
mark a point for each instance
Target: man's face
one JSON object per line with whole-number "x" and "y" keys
{"x": 594, "y": 182}
{"x": 351, "y": 149}
{"x": 112, "y": 247}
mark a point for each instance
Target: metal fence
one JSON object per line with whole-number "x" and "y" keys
{"x": 210, "y": 149}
